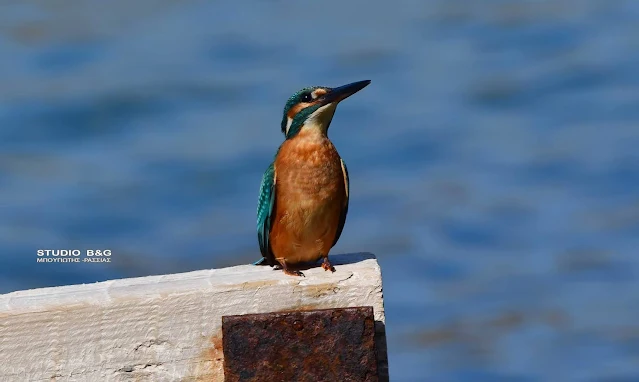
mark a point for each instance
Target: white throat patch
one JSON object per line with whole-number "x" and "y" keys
{"x": 321, "y": 118}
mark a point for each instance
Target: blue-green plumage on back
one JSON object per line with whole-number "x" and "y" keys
{"x": 342, "y": 217}
{"x": 264, "y": 216}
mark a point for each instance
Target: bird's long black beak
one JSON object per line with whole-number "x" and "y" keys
{"x": 343, "y": 92}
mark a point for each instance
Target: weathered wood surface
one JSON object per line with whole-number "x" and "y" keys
{"x": 165, "y": 328}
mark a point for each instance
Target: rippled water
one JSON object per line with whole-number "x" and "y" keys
{"x": 494, "y": 160}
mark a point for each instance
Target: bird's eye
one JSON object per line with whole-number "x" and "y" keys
{"x": 307, "y": 97}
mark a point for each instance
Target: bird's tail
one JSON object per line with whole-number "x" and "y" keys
{"x": 261, "y": 261}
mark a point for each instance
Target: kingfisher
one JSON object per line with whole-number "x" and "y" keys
{"x": 304, "y": 192}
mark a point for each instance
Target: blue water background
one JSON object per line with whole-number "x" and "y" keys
{"x": 494, "y": 160}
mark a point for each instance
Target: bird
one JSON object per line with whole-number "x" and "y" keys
{"x": 304, "y": 192}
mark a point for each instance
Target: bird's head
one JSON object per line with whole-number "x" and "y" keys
{"x": 313, "y": 107}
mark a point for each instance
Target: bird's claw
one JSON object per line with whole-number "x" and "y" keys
{"x": 290, "y": 272}
{"x": 327, "y": 265}
{"x": 293, "y": 273}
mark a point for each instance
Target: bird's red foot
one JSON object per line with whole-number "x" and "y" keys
{"x": 288, "y": 271}
{"x": 291, "y": 272}
{"x": 327, "y": 265}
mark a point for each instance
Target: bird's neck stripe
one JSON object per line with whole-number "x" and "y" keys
{"x": 289, "y": 122}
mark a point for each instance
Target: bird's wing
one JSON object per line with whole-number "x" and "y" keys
{"x": 265, "y": 212}
{"x": 342, "y": 216}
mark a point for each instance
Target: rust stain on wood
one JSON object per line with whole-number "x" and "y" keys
{"x": 210, "y": 365}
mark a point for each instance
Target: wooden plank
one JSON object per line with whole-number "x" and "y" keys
{"x": 165, "y": 328}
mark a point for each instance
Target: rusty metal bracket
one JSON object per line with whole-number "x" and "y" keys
{"x": 317, "y": 345}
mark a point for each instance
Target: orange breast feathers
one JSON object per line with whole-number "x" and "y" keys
{"x": 310, "y": 196}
